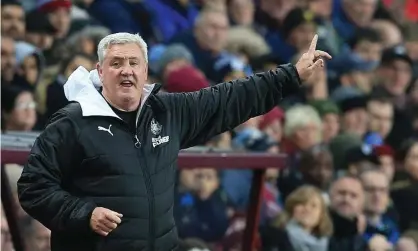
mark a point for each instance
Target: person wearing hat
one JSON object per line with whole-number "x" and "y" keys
{"x": 172, "y": 58}
{"x": 352, "y": 104}
{"x": 297, "y": 29}
{"x": 395, "y": 73}
{"x": 58, "y": 13}
{"x": 330, "y": 115}
{"x": 39, "y": 30}
{"x": 361, "y": 158}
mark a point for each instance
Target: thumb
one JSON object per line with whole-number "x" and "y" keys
{"x": 318, "y": 64}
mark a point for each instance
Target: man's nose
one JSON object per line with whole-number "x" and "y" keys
{"x": 127, "y": 70}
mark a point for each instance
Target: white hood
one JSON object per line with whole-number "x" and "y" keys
{"x": 82, "y": 87}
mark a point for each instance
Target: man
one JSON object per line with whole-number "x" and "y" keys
{"x": 8, "y": 60}
{"x": 381, "y": 112}
{"x": 376, "y": 187}
{"x": 101, "y": 176}
{"x": 346, "y": 206}
{"x": 12, "y": 19}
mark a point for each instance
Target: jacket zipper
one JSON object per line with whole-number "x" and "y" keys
{"x": 148, "y": 183}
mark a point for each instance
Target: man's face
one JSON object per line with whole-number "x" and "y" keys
{"x": 301, "y": 36}
{"x": 13, "y": 21}
{"x": 396, "y": 76}
{"x": 8, "y": 59}
{"x": 23, "y": 117}
{"x": 376, "y": 187}
{"x": 212, "y": 32}
{"x": 76, "y": 62}
{"x": 368, "y": 50}
{"x": 29, "y": 69}
{"x": 307, "y": 136}
{"x": 387, "y": 165}
{"x": 380, "y": 117}
{"x": 321, "y": 8}
{"x": 320, "y": 173}
{"x": 123, "y": 72}
{"x": 61, "y": 20}
{"x": 242, "y": 11}
{"x": 42, "y": 41}
{"x": 347, "y": 197}
{"x": 207, "y": 182}
{"x": 355, "y": 121}
{"x": 360, "y": 11}
{"x": 330, "y": 126}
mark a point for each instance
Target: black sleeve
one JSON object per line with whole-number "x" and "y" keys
{"x": 211, "y": 111}
{"x": 40, "y": 190}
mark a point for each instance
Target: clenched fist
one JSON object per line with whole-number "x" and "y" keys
{"x": 103, "y": 220}
{"x": 311, "y": 61}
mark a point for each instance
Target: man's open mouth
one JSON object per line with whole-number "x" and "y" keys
{"x": 126, "y": 83}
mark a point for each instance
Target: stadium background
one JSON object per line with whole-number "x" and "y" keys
{"x": 349, "y": 137}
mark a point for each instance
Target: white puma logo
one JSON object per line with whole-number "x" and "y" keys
{"x": 101, "y": 128}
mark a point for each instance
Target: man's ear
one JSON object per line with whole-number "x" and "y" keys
{"x": 146, "y": 72}
{"x": 99, "y": 71}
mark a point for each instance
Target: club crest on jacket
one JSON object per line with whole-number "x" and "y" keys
{"x": 155, "y": 127}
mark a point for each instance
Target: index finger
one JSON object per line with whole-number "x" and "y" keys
{"x": 312, "y": 47}
{"x": 113, "y": 217}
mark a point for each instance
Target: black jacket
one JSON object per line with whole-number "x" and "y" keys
{"x": 77, "y": 163}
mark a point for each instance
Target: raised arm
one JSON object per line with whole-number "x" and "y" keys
{"x": 210, "y": 111}
{"x": 40, "y": 187}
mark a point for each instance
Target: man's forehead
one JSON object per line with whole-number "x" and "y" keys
{"x": 347, "y": 184}
{"x": 124, "y": 51}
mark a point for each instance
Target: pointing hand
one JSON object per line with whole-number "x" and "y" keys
{"x": 311, "y": 61}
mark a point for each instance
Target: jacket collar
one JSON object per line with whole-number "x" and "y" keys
{"x": 82, "y": 86}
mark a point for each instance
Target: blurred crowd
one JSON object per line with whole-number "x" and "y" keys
{"x": 350, "y": 135}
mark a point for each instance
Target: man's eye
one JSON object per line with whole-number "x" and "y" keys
{"x": 134, "y": 63}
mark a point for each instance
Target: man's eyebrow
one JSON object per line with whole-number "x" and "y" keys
{"x": 123, "y": 58}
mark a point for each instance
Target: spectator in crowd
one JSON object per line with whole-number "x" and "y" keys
{"x": 8, "y": 60}
{"x": 30, "y": 63}
{"x": 380, "y": 113}
{"x": 55, "y": 97}
{"x": 346, "y": 208}
{"x": 304, "y": 222}
{"x": 208, "y": 40}
{"x": 18, "y": 109}
{"x": 39, "y": 30}
{"x": 376, "y": 187}
{"x": 404, "y": 189}
{"x": 12, "y": 19}
{"x": 330, "y": 115}
{"x": 386, "y": 157}
{"x": 302, "y": 130}
{"x": 361, "y": 158}
{"x": 201, "y": 212}
{"x": 352, "y": 14}
{"x": 388, "y": 32}
{"x": 315, "y": 168}
{"x": 353, "y": 110}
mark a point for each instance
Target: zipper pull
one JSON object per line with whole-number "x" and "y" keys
{"x": 137, "y": 142}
